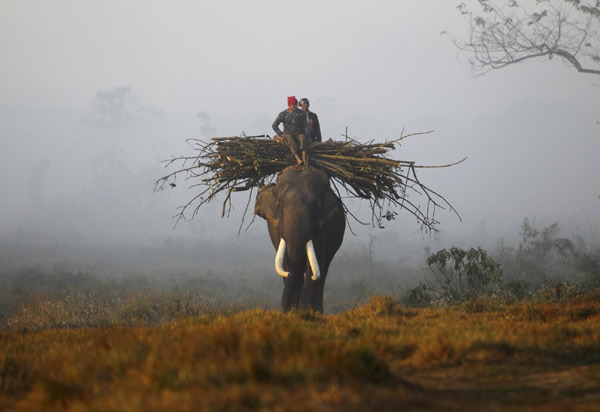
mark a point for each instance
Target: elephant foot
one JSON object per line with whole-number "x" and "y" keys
{"x": 308, "y": 301}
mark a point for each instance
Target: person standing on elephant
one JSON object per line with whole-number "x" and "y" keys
{"x": 294, "y": 125}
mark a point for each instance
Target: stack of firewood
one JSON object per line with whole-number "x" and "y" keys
{"x": 233, "y": 164}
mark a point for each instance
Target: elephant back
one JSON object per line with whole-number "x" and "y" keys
{"x": 303, "y": 172}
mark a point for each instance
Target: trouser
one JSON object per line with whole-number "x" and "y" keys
{"x": 296, "y": 143}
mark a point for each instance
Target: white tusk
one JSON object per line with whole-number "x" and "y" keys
{"x": 279, "y": 260}
{"x": 312, "y": 259}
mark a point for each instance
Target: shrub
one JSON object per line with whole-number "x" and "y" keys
{"x": 420, "y": 296}
{"x": 518, "y": 288}
{"x": 463, "y": 274}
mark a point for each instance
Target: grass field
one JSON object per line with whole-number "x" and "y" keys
{"x": 478, "y": 356}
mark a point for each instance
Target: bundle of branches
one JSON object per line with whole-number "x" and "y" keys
{"x": 233, "y": 164}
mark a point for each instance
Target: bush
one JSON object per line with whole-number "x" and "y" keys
{"x": 518, "y": 288}
{"x": 464, "y": 274}
{"x": 420, "y": 296}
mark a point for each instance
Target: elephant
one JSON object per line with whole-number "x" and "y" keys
{"x": 306, "y": 222}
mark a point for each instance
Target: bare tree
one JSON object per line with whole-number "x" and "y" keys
{"x": 120, "y": 107}
{"x": 505, "y": 32}
{"x": 206, "y": 128}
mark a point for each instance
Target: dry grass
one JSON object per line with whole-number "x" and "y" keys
{"x": 381, "y": 356}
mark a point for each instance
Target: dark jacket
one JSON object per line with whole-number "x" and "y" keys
{"x": 313, "y": 129}
{"x": 294, "y": 122}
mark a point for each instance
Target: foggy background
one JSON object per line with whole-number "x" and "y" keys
{"x": 94, "y": 95}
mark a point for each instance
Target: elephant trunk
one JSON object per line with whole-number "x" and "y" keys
{"x": 279, "y": 260}
{"x": 312, "y": 259}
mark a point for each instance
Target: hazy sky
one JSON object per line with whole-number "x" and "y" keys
{"x": 377, "y": 67}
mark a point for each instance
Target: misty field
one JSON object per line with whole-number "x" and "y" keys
{"x": 379, "y": 356}
{"x": 515, "y": 329}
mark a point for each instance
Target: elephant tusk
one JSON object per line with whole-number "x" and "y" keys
{"x": 312, "y": 259}
{"x": 279, "y": 260}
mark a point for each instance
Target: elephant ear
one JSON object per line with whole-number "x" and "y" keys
{"x": 331, "y": 206}
{"x": 266, "y": 203}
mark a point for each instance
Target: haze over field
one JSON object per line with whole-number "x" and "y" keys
{"x": 94, "y": 95}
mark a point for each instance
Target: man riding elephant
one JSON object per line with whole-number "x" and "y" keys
{"x": 294, "y": 126}
{"x": 313, "y": 128}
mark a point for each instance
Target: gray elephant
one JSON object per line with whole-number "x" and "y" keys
{"x": 306, "y": 222}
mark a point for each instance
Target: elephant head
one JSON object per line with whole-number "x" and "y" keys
{"x": 306, "y": 223}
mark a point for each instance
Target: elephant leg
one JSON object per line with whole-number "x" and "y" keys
{"x": 321, "y": 288}
{"x": 292, "y": 289}
{"x": 319, "y": 296}
{"x": 310, "y": 293}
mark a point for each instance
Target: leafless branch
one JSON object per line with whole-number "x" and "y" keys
{"x": 505, "y": 33}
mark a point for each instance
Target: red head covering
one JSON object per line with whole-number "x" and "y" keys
{"x": 292, "y": 100}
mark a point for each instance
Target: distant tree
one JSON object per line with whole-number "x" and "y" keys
{"x": 206, "y": 128}
{"x": 540, "y": 243}
{"x": 120, "y": 107}
{"x": 35, "y": 185}
{"x": 543, "y": 254}
{"x": 505, "y": 32}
